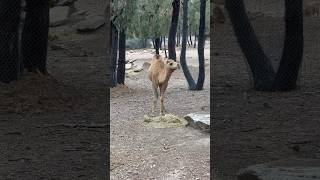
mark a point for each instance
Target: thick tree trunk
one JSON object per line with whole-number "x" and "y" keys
{"x": 184, "y": 66}
{"x": 35, "y": 36}
{"x": 122, "y": 58}
{"x": 173, "y": 29}
{"x": 157, "y": 44}
{"x": 114, "y": 53}
{"x": 9, "y": 53}
{"x": 288, "y": 71}
{"x": 261, "y": 67}
{"x": 201, "y": 41}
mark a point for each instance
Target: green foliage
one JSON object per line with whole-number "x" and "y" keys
{"x": 150, "y": 18}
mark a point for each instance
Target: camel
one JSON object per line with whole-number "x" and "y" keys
{"x": 159, "y": 73}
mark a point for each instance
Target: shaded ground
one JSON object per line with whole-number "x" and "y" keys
{"x": 254, "y": 127}
{"x": 141, "y": 152}
{"x": 56, "y": 127}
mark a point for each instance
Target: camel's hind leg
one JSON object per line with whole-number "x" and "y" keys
{"x": 163, "y": 88}
{"x": 155, "y": 97}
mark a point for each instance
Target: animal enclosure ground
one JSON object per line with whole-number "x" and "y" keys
{"x": 56, "y": 127}
{"x": 253, "y": 127}
{"x": 141, "y": 152}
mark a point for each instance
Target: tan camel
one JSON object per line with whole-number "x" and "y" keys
{"x": 159, "y": 73}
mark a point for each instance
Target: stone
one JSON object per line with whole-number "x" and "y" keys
{"x": 66, "y": 2}
{"x": 91, "y": 23}
{"x": 80, "y": 13}
{"x": 128, "y": 66}
{"x": 198, "y": 121}
{"x": 293, "y": 169}
{"x": 137, "y": 68}
{"x": 59, "y": 16}
{"x": 146, "y": 66}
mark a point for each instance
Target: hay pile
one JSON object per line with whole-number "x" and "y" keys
{"x": 166, "y": 121}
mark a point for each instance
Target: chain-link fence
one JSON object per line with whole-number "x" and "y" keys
{"x": 268, "y": 20}
{"x": 24, "y": 35}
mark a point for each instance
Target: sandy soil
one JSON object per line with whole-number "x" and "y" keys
{"x": 141, "y": 152}
{"x": 56, "y": 127}
{"x": 254, "y": 127}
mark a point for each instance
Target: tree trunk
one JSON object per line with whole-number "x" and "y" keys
{"x": 286, "y": 77}
{"x": 165, "y": 48}
{"x": 9, "y": 54}
{"x": 262, "y": 71}
{"x": 160, "y": 47}
{"x": 122, "y": 58}
{"x": 35, "y": 36}
{"x": 190, "y": 38}
{"x": 114, "y": 53}
{"x": 201, "y": 41}
{"x": 195, "y": 40}
{"x": 173, "y": 29}
{"x": 184, "y": 66}
{"x": 157, "y": 44}
{"x": 145, "y": 42}
{"x": 178, "y": 36}
{"x": 261, "y": 67}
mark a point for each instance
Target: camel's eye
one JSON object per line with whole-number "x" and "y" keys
{"x": 170, "y": 64}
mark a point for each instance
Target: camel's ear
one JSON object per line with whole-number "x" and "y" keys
{"x": 146, "y": 66}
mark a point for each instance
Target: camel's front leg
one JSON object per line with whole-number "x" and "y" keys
{"x": 155, "y": 97}
{"x": 163, "y": 88}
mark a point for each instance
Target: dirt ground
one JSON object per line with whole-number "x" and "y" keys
{"x": 141, "y": 152}
{"x": 55, "y": 128}
{"x": 253, "y": 127}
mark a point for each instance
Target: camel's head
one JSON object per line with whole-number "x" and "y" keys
{"x": 171, "y": 64}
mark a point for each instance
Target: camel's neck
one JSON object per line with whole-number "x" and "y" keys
{"x": 168, "y": 73}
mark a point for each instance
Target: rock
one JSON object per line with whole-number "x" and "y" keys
{"x": 65, "y": 2}
{"x": 199, "y": 121}
{"x": 80, "y": 13}
{"x": 166, "y": 121}
{"x": 59, "y": 15}
{"x": 138, "y": 68}
{"x": 91, "y": 23}
{"x": 146, "y": 66}
{"x": 293, "y": 169}
{"x": 128, "y": 66}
